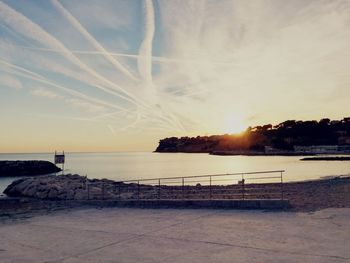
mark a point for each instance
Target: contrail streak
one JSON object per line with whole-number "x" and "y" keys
{"x": 31, "y": 30}
{"x": 20, "y": 71}
{"x": 134, "y": 56}
{"x": 77, "y": 77}
{"x": 74, "y": 22}
{"x": 86, "y": 52}
{"x": 110, "y": 127}
{"x": 145, "y": 52}
{"x": 66, "y": 117}
{"x": 28, "y": 28}
{"x": 15, "y": 34}
{"x": 132, "y": 124}
{"x": 144, "y": 61}
{"x": 37, "y": 77}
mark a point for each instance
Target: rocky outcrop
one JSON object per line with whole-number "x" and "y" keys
{"x": 62, "y": 187}
{"x": 188, "y": 145}
{"x": 27, "y": 168}
{"x": 45, "y": 187}
{"x": 283, "y": 138}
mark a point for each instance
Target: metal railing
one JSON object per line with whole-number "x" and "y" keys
{"x": 243, "y": 186}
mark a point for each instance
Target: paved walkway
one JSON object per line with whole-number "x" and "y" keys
{"x": 168, "y": 235}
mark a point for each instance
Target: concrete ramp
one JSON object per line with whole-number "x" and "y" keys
{"x": 200, "y": 203}
{"x": 25, "y": 203}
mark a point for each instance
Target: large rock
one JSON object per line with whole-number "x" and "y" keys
{"x": 27, "y": 168}
{"x": 80, "y": 194}
{"x": 61, "y": 187}
{"x": 53, "y": 193}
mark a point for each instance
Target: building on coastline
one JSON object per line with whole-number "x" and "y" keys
{"x": 344, "y": 148}
{"x": 272, "y": 150}
{"x": 322, "y": 149}
{"x": 344, "y": 140}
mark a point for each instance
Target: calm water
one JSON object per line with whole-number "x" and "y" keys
{"x": 136, "y": 165}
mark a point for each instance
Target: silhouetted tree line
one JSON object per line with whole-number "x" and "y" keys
{"x": 283, "y": 136}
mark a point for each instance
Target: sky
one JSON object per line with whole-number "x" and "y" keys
{"x": 118, "y": 75}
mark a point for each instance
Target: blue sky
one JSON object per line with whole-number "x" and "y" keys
{"x": 120, "y": 75}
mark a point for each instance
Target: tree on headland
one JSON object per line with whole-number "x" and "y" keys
{"x": 284, "y": 136}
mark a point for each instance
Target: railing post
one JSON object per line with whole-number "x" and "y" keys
{"x": 88, "y": 191}
{"x": 209, "y": 187}
{"x": 103, "y": 191}
{"x": 158, "y": 188}
{"x": 138, "y": 190}
{"x": 183, "y": 188}
{"x": 243, "y": 190}
{"x": 119, "y": 190}
{"x": 282, "y": 185}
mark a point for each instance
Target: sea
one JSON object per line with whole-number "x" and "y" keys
{"x": 143, "y": 165}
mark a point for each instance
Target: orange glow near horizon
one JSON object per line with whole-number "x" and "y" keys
{"x": 234, "y": 125}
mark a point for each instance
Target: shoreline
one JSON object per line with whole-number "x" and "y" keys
{"x": 255, "y": 153}
{"x": 327, "y": 158}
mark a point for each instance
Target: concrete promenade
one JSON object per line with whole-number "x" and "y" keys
{"x": 177, "y": 235}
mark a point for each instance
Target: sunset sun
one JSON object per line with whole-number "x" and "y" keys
{"x": 234, "y": 124}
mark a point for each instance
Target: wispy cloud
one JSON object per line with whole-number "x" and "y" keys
{"x": 31, "y": 30}
{"x": 10, "y": 81}
{"x": 78, "y": 103}
{"x": 73, "y": 102}
{"x": 45, "y": 93}
{"x": 76, "y": 24}
{"x": 22, "y": 72}
{"x": 145, "y": 52}
{"x": 185, "y": 67}
{"x": 112, "y": 130}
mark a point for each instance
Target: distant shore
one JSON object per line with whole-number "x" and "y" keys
{"x": 257, "y": 153}
{"x": 327, "y": 158}
{"x": 279, "y": 153}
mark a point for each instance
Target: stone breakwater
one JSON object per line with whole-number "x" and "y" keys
{"x": 59, "y": 187}
{"x": 308, "y": 195}
{"x": 27, "y": 168}
{"x": 76, "y": 187}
